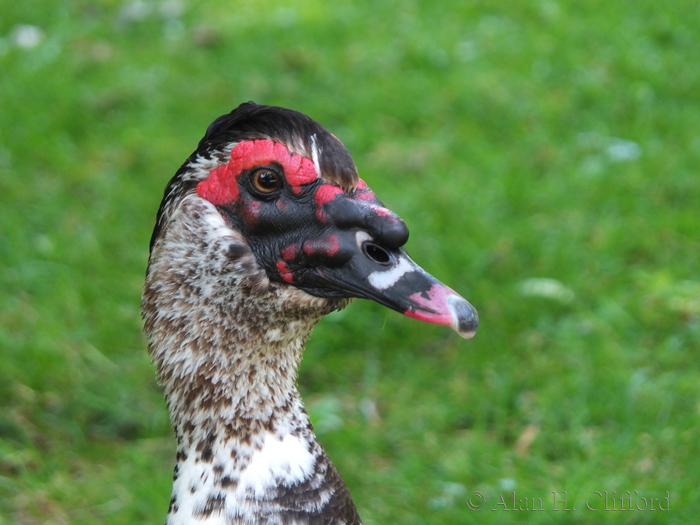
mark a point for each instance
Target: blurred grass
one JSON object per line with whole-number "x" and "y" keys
{"x": 545, "y": 156}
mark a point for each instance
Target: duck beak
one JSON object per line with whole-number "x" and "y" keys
{"x": 362, "y": 255}
{"x": 397, "y": 282}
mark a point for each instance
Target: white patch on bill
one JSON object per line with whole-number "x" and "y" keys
{"x": 381, "y": 280}
{"x": 388, "y": 278}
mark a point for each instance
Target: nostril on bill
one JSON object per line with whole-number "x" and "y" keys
{"x": 376, "y": 253}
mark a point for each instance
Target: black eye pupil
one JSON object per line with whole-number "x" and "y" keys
{"x": 266, "y": 181}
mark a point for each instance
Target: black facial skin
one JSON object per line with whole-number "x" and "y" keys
{"x": 297, "y": 240}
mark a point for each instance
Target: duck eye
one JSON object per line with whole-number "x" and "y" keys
{"x": 265, "y": 181}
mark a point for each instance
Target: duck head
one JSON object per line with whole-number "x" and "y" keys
{"x": 292, "y": 190}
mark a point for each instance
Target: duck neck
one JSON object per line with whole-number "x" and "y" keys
{"x": 227, "y": 346}
{"x": 244, "y": 389}
{"x": 243, "y": 440}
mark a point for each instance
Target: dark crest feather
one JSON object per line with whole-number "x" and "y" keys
{"x": 251, "y": 121}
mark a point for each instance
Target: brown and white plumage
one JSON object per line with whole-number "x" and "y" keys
{"x": 265, "y": 229}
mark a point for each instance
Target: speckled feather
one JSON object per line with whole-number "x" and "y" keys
{"x": 227, "y": 343}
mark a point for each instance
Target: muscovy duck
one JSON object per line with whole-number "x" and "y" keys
{"x": 265, "y": 229}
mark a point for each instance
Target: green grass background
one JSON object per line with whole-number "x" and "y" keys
{"x": 520, "y": 140}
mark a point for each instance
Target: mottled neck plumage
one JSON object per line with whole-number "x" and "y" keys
{"x": 227, "y": 343}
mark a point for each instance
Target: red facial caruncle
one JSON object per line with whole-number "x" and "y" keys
{"x": 222, "y": 186}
